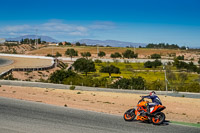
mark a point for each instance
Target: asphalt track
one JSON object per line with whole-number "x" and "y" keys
{"x": 18, "y": 116}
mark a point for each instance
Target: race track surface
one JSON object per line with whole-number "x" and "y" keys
{"x": 18, "y": 116}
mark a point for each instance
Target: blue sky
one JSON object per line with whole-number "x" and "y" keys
{"x": 144, "y": 21}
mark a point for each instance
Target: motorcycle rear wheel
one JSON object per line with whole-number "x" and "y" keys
{"x": 158, "y": 118}
{"x": 129, "y": 115}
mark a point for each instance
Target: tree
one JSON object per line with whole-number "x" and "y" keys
{"x": 110, "y": 69}
{"x": 155, "y": 56}
{"x": 101, "y": 54}
{"x": 157, "y": 63}
{"x": 182, "y": 78}
{"x": 86, "y": 54}
{"x": 180, "y": 57}
{"x": 162, "y": 45}
{"x": 71, "y": 53}
{"x": 59, "y": 75}
{"x": 78, "y": 44}
{"x": 60, "y": 43}
{"x": 150, "y": 64}
{"x": 133, "y": 83}
{"x": 84, "y": 65}
{"x": 116, "y": 55}
{"x": 129, "y": 54}
{"x": 68, "y": 43}
{"x": 199, "y": 61}
{"x": 58, "y": 54}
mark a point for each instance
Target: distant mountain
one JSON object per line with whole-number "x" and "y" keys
{"x": 43, "y": 38}
{"x": 113, "y": 43}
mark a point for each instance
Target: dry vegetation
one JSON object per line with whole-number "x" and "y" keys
{"x": 33, "y": 75}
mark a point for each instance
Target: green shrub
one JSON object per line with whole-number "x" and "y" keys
{"x": 72, "y": 87}
{"x": 180, "y": 57}
{"x": 150, "y": 64}
{"x": 155, "y": 56}
{"x": 133, "y": 83}
{"x": 97, "y": 61}
{"x": 59, "y": 75}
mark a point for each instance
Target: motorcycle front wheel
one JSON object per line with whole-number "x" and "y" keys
{"x": 129, "y": 115}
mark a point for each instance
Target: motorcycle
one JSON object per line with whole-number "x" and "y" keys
{"x": 140, "y": 113}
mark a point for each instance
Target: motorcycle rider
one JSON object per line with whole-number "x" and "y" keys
{"x": 155, "y": 101}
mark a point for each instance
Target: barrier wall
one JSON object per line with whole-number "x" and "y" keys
{"x": 53, "y": 61}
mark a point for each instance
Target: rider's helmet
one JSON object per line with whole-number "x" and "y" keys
{"x": 152, "y": 93}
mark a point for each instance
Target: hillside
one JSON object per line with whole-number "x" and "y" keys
{"x": 113, "y": 43}
{"x": 17, "y": 49}
{"x": 43, "y": 38}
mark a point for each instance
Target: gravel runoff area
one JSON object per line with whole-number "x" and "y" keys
{"x": 22, "y": 62}
{"x": 177, "y": 108}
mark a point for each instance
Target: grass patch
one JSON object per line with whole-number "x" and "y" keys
{"x": 186, "y": 124}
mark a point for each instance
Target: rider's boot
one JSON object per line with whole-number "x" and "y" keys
{"x": 148, "y": 110}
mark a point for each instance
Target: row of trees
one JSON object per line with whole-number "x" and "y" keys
{"x": 87, "y": 65}
{"x": 155, "y": 56}
{"x": 190, "y": 67}
{"x": 164, "y": 46}
{"x": 127, "y": 54}
{"x": 32, "y": 41}
{"x": 69, "y": 44}
{"x": 152, "y": 64}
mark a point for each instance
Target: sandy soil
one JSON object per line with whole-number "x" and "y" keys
{"x": 19, "y": 62}
{"x": 142, "y": 52}
{"x": 178, "y": 109}
{"x": 34, "y": 75}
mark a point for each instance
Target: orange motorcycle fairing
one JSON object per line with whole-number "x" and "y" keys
{"x": 156, "y": 116}
{"x": 142, "y": 118}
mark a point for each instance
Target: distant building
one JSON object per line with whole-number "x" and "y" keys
{"x": 12, "y": 42}
{"x": 53, "y": 44}
{"x": 2, "y": 40}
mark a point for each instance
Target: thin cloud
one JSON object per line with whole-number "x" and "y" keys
{"x": 56, "y": 28}
{"x": 102, "y": 25}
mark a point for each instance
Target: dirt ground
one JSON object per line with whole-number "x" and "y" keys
{"x": 177, "y": 109}
{"x": 34, "y": 75}
{"x": 142, "y": 52}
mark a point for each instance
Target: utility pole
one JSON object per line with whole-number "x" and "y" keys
{"x": 97, "y": 50}
{"x": 36, "y": 43}
{"x": 164, "y": 67}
